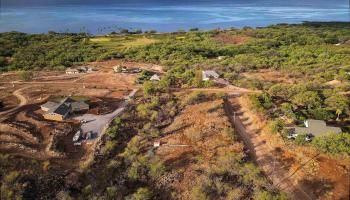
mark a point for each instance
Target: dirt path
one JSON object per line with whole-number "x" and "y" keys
{"x": 261, "y": 152}
{"x": 20, "y": 97}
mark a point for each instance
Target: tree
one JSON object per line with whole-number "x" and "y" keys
{"x": 198, "y": 79}
{"x": 276, "y": 126}
{"x": 338, "y": 103}
{"x": 333, "y": 143}
{"x": 308, "y": 99}
{"x": 141, "y": 193}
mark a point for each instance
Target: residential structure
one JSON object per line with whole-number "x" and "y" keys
{"x": 123, "y": 69}
{"x": 155, "y": 77}
{"x": 315, "y": 128}
{"x": 209, "y": 75}
{"x": 72, "y": 71}
{"x": 60, "y": 111}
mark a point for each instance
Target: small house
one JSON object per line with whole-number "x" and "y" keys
{"x": 221, "y": 57}
{"x": 315, "y": 128}
{"x": 119, "y": 69}
{"x": 85, "y": 69}
{"x": 58, "y": 112}
{"x": 155, "y": 77}
{"x": 209, "y": 75}
{"x": 72, "y": 71}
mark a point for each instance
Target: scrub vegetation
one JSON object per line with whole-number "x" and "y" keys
{"x": 135, "y": 159}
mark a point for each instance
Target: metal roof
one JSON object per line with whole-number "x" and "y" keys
{"x": 49, "y": 105}
{"x": 316, "y": 128}
{"x": 209, "y": 74}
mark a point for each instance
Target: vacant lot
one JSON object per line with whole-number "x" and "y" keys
{"x": 269, "y": 75}
{"x": 227, "y": 38}
{"x": 197, "y": 137}
{"x": 119, "y": 42}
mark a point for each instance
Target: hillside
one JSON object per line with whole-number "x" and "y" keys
{"x": 180, "y": 137}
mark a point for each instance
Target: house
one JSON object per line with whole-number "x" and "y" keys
{"x": 48, "y": 105}
{"x": 85, "y": 69}
{"x": 221, "y": 57}
{"x": 315, "y": 128}
{"x": 72, "y": 71}
{"x": 79, "y": 106}
{"x": 155, "y": 77}
{"x": 209, "y": 75}
{"x": 59, "y": 111}
{"x": 119, "y": 69}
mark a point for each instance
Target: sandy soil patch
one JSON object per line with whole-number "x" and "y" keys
{"x": 227, "y": 38}
{"x": 269, "y": 75}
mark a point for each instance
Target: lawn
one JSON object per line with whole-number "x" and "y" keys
{"x": 118, "y": 42}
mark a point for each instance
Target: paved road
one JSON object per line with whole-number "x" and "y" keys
{"x": 98, "y": 123}
{"x": 262, "y": 154}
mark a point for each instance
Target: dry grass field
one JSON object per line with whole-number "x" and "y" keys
{"x": 198, "y": 137}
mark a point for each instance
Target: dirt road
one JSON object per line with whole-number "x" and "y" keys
{"x": 20, "y": 97}
{"x": 261, "y": 152}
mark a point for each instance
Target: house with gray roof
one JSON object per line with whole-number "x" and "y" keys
{"x": 59, "y": 111}
{"x": 209, "y": 75}
{"x": 315, "y": 128}
{"x": 155, "y": 77}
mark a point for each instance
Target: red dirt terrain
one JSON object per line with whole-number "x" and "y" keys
{"x": 302, "y": 172}
{"x": 193, "y": 144}
{"x": 230, "y": 39}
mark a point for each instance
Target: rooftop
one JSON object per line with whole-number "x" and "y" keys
{"x": 316, "y": 128}
{"x": 209, "y": 74}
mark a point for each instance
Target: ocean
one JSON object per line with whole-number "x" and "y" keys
{"x": 104, "y": 16}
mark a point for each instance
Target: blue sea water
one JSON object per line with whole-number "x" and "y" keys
{"x": 104, "y": 16}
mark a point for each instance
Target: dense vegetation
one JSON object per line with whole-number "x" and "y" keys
{"x": 19, "y": 51}
{"x": 123, "y": 166}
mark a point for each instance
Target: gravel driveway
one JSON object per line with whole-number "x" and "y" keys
{"x": 98, "y": 123}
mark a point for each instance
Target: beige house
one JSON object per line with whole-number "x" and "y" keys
{"x": 72, "y": 71}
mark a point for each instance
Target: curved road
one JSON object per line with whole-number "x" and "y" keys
{"x": 20, "y": 97}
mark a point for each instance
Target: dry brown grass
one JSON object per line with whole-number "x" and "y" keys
{"x": 202, "y": 128}
{"x": 231, "y": 39}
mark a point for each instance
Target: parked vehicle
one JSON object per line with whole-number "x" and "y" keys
{"x": 77, "y": 136}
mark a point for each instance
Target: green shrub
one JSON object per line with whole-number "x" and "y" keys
{"x": 333, "y": 143}
{"x": 25, "y": 75}
{"x": 141, "y": 193}
{"x": 300, "y": 139}
{"x": 276, "y": 126}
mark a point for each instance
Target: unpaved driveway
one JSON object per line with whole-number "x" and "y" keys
{"x": 262, "y": 154}
{"x": 20, "y": 97}
{"x": 98, "y": 123}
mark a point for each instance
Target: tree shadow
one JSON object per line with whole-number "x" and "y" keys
{"x": 319, "y": 187}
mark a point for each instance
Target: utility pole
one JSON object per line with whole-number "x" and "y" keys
{"x": 234, "y": 117}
